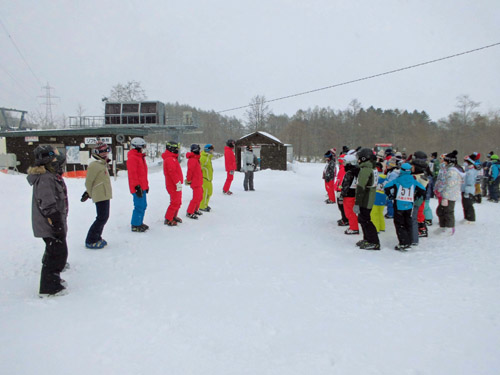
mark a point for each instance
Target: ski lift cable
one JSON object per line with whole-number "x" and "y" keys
{"x": 367, "y": 77}
{"x": 20, "y": 53}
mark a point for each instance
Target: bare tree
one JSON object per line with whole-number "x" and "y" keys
{"x": 466, "y": 109}
{"x": 129, "y": 92}
{"x": 258, "y": 113}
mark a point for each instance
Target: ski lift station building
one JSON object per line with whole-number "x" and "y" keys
{"x": 121, "y": 123}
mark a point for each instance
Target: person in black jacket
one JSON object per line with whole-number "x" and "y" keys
{"x": 48, "y": 215}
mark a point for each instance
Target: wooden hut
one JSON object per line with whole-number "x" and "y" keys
{"x": 270, "y": 151}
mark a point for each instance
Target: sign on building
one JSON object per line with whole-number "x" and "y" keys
{"x": 93, "y": 140}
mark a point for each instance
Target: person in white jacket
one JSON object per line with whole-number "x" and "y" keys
{"x": 469, "y": 189}
{"x": 249, "y": 164}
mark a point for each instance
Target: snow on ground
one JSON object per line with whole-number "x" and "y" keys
{"x": 266, "y": 283}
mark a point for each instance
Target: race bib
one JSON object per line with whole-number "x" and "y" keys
{"x": 406, "y": 194}
{"x": 375, "y": 178}
{"x": 354, "y": 183}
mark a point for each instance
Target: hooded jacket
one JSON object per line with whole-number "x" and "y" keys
{"x": 194, "y": 173}
{"x": 405, "y": 181}
{"x": 249, "y": 161}
{"x": 50, "y": 199}
{"x": 349, "y": 181}
{"x": 469, "y": 183}
{"x": 206, "y": 166}
{"x": 366, "y": 186}
{"x": 172, "y": 170}
{"x": 97, "y": 182}
{"x": 137, "y": 170}
{"x": 329, "y": 171}
{"x": 229, "y": 159}
{"x": 452, "y": 182}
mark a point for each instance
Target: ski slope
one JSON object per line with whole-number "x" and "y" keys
{"x": 266, "y": 283}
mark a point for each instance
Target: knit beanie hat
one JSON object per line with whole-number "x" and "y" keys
{"x": 451, "y": 157}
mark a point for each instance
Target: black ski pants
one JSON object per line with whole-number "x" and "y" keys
{"x": 53, "y": 262}
{"x": 369, "y": 231}
{"x": 446, "y": 215}
{"x": 404, "y": 225}
{"x": 95, "y": 231}
{"x": 468, "y": 205}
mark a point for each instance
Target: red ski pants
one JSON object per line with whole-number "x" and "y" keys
{"x": 175, "y": 204}
{"x": 329, "y": 190}
{"x": 229, "y": 180}
{"x": 351, "y": 216}
{"x": 421, "y": 216}
{"x": 194, "y": 205}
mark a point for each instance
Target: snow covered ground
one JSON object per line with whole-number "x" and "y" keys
{"x": 266, "y": 283}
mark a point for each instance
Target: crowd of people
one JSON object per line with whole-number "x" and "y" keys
{"x": 361, "y": 182}
{"x": 364, "y": 183}
{"x": 50, "y": 199}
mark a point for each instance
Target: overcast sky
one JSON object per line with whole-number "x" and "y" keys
{"x": 218, "y": 54}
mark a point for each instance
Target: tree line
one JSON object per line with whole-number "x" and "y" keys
{"x": 315, "y": 130}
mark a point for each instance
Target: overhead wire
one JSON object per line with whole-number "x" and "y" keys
{"x": 365, "y": 78}
{"x": 20, "y": 53}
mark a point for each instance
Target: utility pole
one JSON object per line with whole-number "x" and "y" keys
{"x": 48, "y": 104}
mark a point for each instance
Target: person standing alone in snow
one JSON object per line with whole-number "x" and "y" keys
{"x": 98, "y": 187}
{"x": 230, "y": 162}
{"x": 249, "y": 162}
{"x": 138, "y": 182}
{"x": 329, "y": 176}
{"x": 173, "y": 181}
{"x": 49, "y": 213}
{"x": 194, "y": 178}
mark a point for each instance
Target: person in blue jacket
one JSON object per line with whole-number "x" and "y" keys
{"x": 494, "y": 180}
{"x": 403, "y": 190}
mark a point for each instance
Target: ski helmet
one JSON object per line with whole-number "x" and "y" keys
{"x": 406, "y": 167}
{"x": 208, "y": 147}
{"x": 138, "y": 142}
{"x": 195, "y": 149}
{"x": 420, "y": 155}
{"x": 172, "y": 146}
{"x": 101, "y": 149}
{"x": 44, "y": 154}
{"x": 329, "y": 154}
{"x": 365, "y": 154}
{"x": 350, "y": 159}
{"x": 230, "y": 143}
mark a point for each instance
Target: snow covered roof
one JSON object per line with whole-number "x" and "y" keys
{"x": 264, "y": 134}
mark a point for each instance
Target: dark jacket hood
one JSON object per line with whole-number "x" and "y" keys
{"x": 34, "y": 174}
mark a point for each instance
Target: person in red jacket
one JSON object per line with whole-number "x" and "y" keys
{"x": 173, "y": 180}
{"x": 138, "y": 182}
{"x": 337, "y": 187}
{"x": 230, "y": 161}
{"x": 194, "y": 178}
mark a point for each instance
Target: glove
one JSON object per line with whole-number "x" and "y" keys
{"x": 179, "y": 186}
{"x": 444, "y": 203}
{"x": 187, "y": 182}
{"x": 147, "y": 191}
{"x": 355, "y": 209}
{"x": 84, "y": 197}
{"x": 231, "y": 172}
{"x": 57, "y": 225}
{"x": 138, "y": 191}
